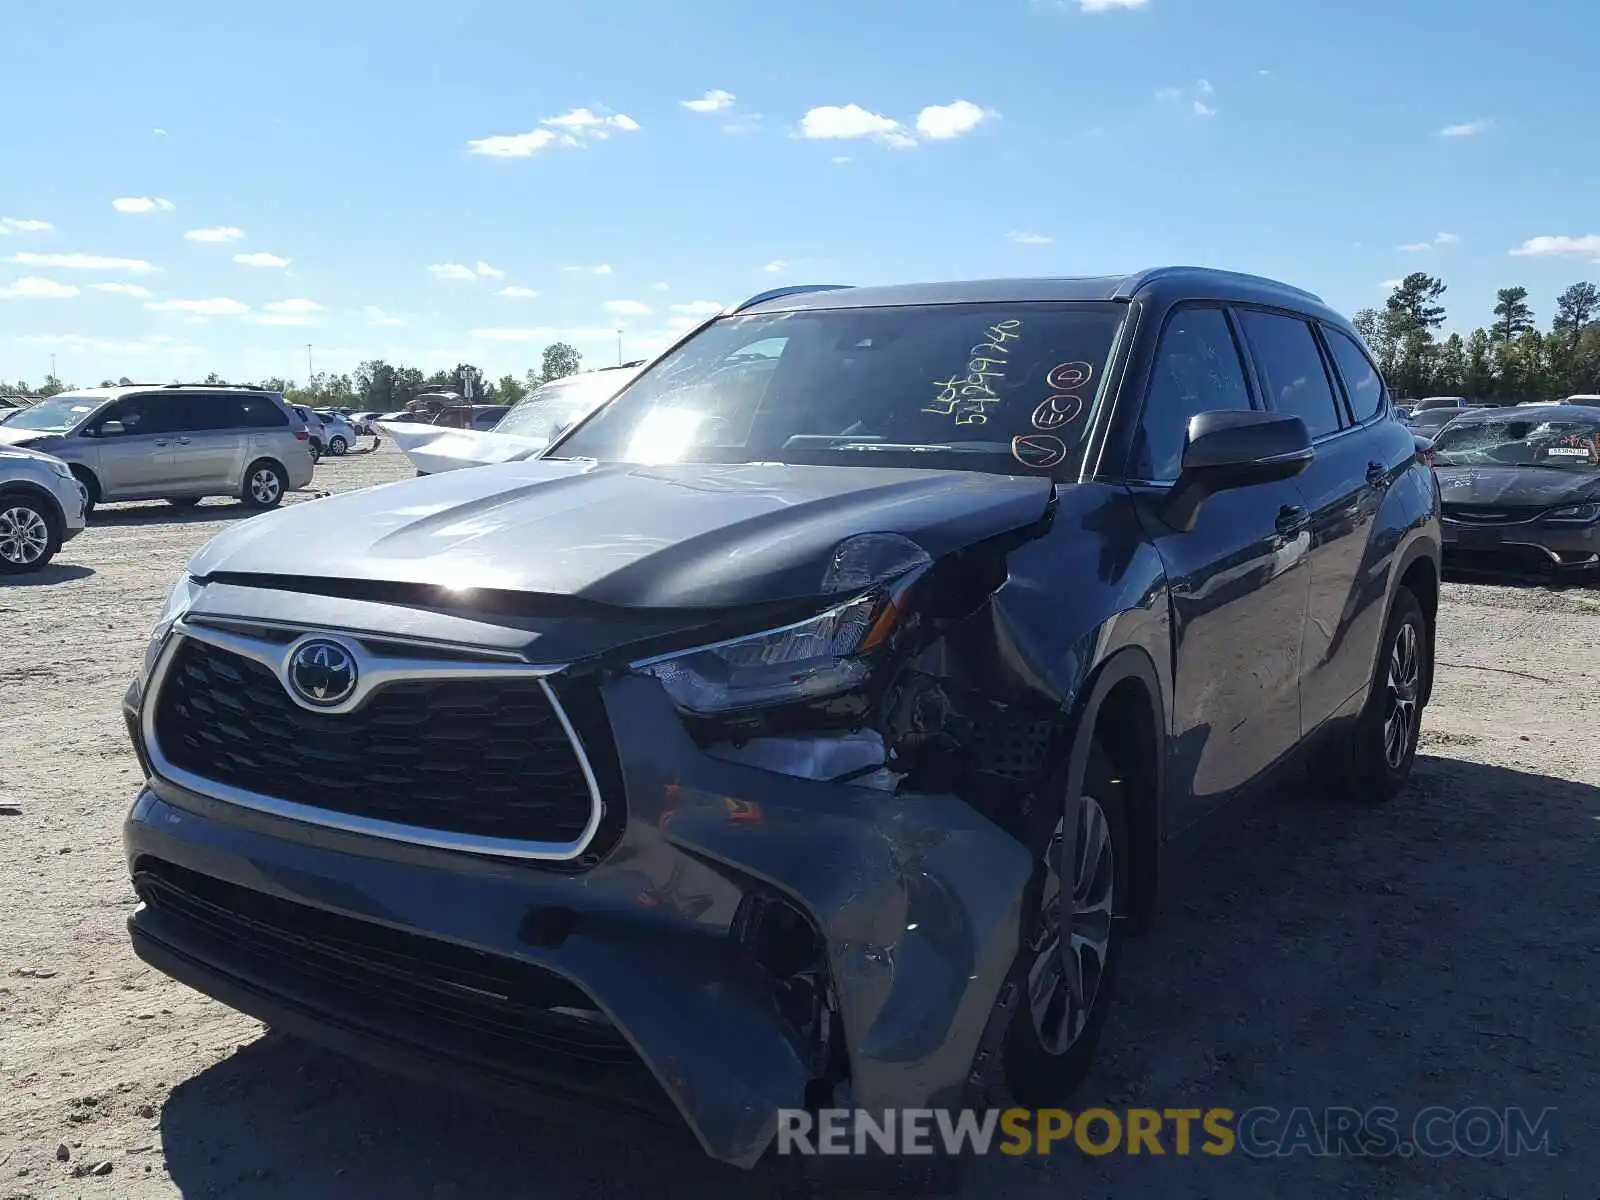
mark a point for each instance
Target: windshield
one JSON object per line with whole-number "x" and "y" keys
{"x": 990, "y": 387}
{"x": 1568, "y": 444}
{"x": 58, "y": 414}
{"x": 546, "y": 411}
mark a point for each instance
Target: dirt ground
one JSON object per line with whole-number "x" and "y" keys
{"x": 1442, "y": 950}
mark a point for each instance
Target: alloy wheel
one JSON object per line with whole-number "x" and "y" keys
{"x": 1400, "y": 696}
{"x": 1073, "y": 941}
{"x": 24, "y": 535}
{"x": 264, "y": 486}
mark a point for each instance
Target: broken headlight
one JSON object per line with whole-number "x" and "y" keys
{"x": 825, "y": 655}
{"x": 1575, "y": 514}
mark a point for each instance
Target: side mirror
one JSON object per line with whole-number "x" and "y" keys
{"x": 1235, "y": 449}
{"x": 111, "y": 429}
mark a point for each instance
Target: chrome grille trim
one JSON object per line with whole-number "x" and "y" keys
{"x": 376, "y": 672}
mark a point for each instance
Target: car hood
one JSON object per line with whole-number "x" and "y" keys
{"x": 432, "y": 450}
{"x": 1515, "y": 487}
{"x": 14, "y": 453}
{"x": 13, "y": 437}
{"x": 680, "y": 536}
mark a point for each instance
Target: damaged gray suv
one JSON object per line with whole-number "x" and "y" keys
{"x": 803, "y": 729}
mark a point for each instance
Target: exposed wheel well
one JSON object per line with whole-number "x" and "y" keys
{"x": 86, "y": 477}
{"x": 1127, "y": 728}
{"x": 1421, "y": 579}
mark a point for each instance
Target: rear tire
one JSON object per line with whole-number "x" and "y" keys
{"x": 1067, "y": 988}
{"x": 183, "y": 501}
{"x": 1372, "y": 762}
{"x": 316, "y": 450}
{"x": 264, "y": 485}
{"x": 30, "y": 533}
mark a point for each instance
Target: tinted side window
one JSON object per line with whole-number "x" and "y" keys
{"x": 1292, "y": 372}
{"x": 148, "y": 415}
{"x": 258, "y": 412}
{"x": 203, "y": 413}
{"x": 1361, "y": 380}
{"x": 1197, "y": 369}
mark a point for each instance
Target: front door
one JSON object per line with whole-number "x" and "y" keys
{"x": 1237, "y": 581}
{"x": 137, "y": 460}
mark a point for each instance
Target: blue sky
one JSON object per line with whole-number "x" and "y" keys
{"x": 412, "y": 161}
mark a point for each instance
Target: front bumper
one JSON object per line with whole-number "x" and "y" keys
{"x": 915, "y": 901}
{"x": 73, "y": 499}
{"x": 1526, "y": 544}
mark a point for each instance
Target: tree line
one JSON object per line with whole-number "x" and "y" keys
{"x": 376, "y": 385}
{"x": 1506, "y": 362}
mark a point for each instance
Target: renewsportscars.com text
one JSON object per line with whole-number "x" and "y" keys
{"x": 1261, "y": 1132}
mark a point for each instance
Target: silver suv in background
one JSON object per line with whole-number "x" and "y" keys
{"x": 178, "y": 443}
{"x": 41, "y": 506}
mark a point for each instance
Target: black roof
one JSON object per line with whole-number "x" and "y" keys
{"x": 1153, "y": 283}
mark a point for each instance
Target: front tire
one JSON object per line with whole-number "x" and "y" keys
{"x": 264, "y": 485}
{"x": 337, "y": 446}
{"x": 91, "y": 489}
{"x": 1372, "y": 763}
{"x": 1075, "y": 944}
{"x": 30, "y": 534}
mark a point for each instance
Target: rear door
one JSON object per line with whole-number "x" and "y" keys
{"x": 1341, "y": 499}
{"x": 209, "y": 450}
{"x": 1236, "y": 581}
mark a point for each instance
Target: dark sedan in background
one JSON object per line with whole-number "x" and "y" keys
{"x": 1521, "y": 487}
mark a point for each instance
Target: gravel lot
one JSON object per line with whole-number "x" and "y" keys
{"x": 1442, "y": 950}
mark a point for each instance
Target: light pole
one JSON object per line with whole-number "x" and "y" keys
{"x": 52, "y": 366}
{"x": 308, "y": 364}
{"x": 619, "y": 347}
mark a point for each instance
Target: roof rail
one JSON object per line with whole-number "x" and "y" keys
{"x": 793, "y": 290}
{"x": 1139, "y": 279}
{"x": 240, "y": 387}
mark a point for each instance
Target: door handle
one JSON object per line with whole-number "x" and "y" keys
{"x": 159, "y": 442}
{"x": 1291, "y": 519}
{"x": 1377, "y": 476}
{"x": 183, "y": 441}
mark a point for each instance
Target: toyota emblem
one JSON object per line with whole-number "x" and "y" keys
{"x": 322, "y": 674}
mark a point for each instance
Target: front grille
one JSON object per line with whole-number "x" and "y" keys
{"x": 482, "y": 757}
{"x": 1480, "y": 514}
{"x": 507, "y": 1016}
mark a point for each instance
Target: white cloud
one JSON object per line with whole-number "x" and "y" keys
{"x": 698, "y": 308}
{"x": 659, "y": 287}
{"x": 1204, "y": 87}
{"x": 1439, "y": 239}
{"x": 1445, "y": 239}
{"x": 1030, "y": 239}
{"x": 574, "y": 128}
{"x": 511, "y": 145}
{"x": 545, "y": 333}
{"x": 626, "y": 308}
{"x": 377, "y": 316}
{"x": 839, "y": 159}
{"x": 597, "y": 269}
{"x": 1202, "y": 109}
{"x": 218, "y": 307}
{"x": 215, "y": 233}
{"x": 123, "y": 289}
{"x": 142, "y": 204}
{"x": 452, "y": 271}
{"x": 1544, "y": 247}
{"x": 1414, "y": 247}
{"x": 1100, "y": 6}
{"x": 293, "y": 306}
{"x": 83, "y": 262}
{"x": 488, "y": 272}
{"x": 19, "y": 225}
{"x": 944, "y": 121}
{"x": 31, "y": 287}
{"x": 776, "y": 265}
{"x": 260, "y": 260}
{"x": 713, "y": 101}
{"x": 1465, "y": 129}
{"x": 516, "y": 292}
{"x": 844, "y": 121}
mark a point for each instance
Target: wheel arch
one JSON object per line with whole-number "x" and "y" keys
{"x": 1121, "y": 707}
{"x": 35, "y": 493}
{"x": 1417, "y": 570}
{"x": 85, "y": 475}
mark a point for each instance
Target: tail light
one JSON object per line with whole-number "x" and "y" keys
{"x": 302, "y": 434}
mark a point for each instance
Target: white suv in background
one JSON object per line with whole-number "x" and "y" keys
{"x": 41, "y": 506}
